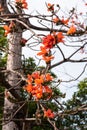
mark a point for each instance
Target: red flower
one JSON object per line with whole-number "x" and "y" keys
{"x": 65, "y": 21}
{"x": 9, "y": 28}
{"x": 50, "y": 7}
{"x": 48, "y": 77}
{"x": 56, "y": 20}
{"x": 30, "y": 79}
{"x": 49, "y": 41}
{"x": 22, "y": 3}
{"x": 28, "y": 88}
{"x": 39, "y": 93}
{"x": 48, "y": 58}
{"x": 60, "y": 37}
{"x": 43, "y": 51}
{"x": 36, "y": 75}
{"x": 48, "y": 113}
{"x": 39, "y": 81}
{"x": 71, "y": 30}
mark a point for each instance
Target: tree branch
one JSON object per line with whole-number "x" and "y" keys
{"x": 4, "y": 83}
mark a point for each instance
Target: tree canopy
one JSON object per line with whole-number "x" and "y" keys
{"x": 30, "y": 87}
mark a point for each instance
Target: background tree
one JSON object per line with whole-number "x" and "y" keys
{"x": 75, "y": 116}
{"x": 36, "y": 86}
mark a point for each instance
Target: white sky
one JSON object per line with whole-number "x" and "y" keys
{"x": 69, "y": 68}
{"x": 65, "y": 4}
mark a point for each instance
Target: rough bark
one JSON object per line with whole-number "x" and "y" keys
{"x": 13, "y": 63}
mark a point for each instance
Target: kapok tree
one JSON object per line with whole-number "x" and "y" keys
{"x": 40, "y": 86}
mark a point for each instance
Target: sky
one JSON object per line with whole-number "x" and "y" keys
{"x": 66, "y": 70}
{"x": 65, "y": 4}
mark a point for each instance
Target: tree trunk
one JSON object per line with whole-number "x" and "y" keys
{"x": 12, "y": 79}
{"x": 13, "y": 63}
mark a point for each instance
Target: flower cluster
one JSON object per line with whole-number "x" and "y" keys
{"x": 49, "y": 42}
{"x": 37, "y": 85}
{"x": 45, "y": 53}
{"x": 9, "y": 28}
{"x": 22, "y": 3}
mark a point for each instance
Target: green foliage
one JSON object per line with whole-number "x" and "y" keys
{"x": 52, "y": 105}
{"x": 3, "y": 40}
{"x": 57, "y": 93}
{"x": 75, "y": 120}
{"x": 29, "y": 65}
{"x": 3, "y": 60}
{"x": 32, "y": 106}
{"x": 43, "y": 127}
{"x": 82, "y": 93}
{"x": 3, "y": 45}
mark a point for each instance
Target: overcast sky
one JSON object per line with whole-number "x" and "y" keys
{"x": 65, "y": 4}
